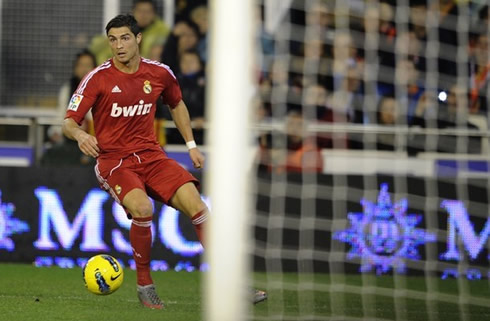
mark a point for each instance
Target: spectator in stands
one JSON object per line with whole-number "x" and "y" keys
{"x": 277, "y": 88}
{"x": 156, "y": 51}
{"x": 265, "y": 44}
{"x": 311, "y": 65}
{"x": 405, "y": 80}
{"x": 66, "y": 154}
{"x": 378, "y": 26}
{"x": 192, "y": 83}
{"x": 187, "y": 41}
{"x": 346, "y": 70}
{"x": 346, "y": 100}
{"x": 454, "y": 112}
{"x": 199, "y": 16}
{"x": 448, "y": 40}
{"x": 409, "y": 46}
{"x": 318, "y": 15}
{"x": 388, "y": 111}
{"x": 59, "y": 151}
{"x": 319, "y": 105}
{"x": 483, "y": 16}
{"x": 456, "y": 115}
{"x": 184, "y": 37}
{"x": 262, "y": 110}
{"x": 153, "y": 29}
{"x": 443, "y": 114}
{"x": 380, "y": 19}
{"x": 183, "y": 8}
{"x": 83, "y": 64}
{"x": 426, "y": 111}
{"x": 408, "y": 82}
{"x": 292, "y": 150}
{"x": 315, "y": 102}
{"x": 418, "y": 17}
{"x": 447, "y": 35}
{"x": 55, "y": 136}
{"x": 388, "y": 115}
{"x": 479, "y": 74}
{"x": 319, "y": 21}
{"x": 344, "y": 55}
{"x": 387, "y": 28}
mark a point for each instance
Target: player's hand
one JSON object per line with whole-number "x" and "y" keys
{"x": 88, "y": 144}
{"x": 196, "y": 157}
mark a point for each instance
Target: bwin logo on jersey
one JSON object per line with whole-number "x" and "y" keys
{"x": 129, "y": 111}
{"x": 9, "y": 225}
{"x": 383, "y": 235}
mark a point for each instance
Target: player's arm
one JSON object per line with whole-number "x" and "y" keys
{"x": 80, "y": 103}
{"x": 182, "y": 120}
{"x": 86, "y": 142}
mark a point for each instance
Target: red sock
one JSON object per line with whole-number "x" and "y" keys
{"x": 198, "y": 220}
{"x": 140, "y": 237}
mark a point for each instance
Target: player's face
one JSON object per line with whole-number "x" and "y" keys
{"x": 124, "y": 44}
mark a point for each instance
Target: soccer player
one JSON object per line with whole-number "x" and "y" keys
{"x": 122, "y": 94}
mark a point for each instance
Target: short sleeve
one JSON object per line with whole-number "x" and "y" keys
{"x": 172, "y": 94}
{"x": 82, "y": 99}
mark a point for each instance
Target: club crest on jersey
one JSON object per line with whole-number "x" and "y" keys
{"x": 147, "y": 87}
{"x": 75, "y": 102}
{"x": 118, "y": 189}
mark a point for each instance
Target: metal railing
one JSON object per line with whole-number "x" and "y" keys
{"x": 36, "y": 119}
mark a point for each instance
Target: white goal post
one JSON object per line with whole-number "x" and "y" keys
{"x": 229, "y": 92}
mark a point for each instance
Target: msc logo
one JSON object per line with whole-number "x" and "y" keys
{"x": 383, "y": 235}
{"x": 9, "y": 225}
{"x": 129, "y": 111}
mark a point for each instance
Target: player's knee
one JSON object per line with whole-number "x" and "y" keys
{"x": 142, "y": 209}
{"x": 193, "y": 207}
{"x": 198, "y": 207}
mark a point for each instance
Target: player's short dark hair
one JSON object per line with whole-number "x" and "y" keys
{"x": 136, "y": 2}
{"x": 123, "y": 21}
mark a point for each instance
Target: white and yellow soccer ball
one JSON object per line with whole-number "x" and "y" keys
{"x": 103, "y": 274}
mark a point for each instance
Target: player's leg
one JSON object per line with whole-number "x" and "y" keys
{"x": 138, "y": 204}
{"x": 170, "y": 183}
{"x": 188, "y": 201}
{"x": 128, "y": 189}
{"x": 177, "y": 187}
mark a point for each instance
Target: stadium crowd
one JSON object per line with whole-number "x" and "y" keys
{"x": 381, "y": 66}
{"x": 379, "y": 69}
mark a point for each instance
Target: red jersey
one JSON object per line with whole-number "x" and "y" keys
{"x": 123, "y": 105}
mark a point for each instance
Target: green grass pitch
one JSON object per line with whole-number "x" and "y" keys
{"x": 29, "y": 293}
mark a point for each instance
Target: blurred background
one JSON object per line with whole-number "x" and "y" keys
{"x": 407, "y": 76}
{"x": 350, "y": 96}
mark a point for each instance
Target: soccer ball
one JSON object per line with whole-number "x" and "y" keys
{"x": 102, "y": 274}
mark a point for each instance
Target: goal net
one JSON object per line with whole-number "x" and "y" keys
{"x": 372, "y": 186}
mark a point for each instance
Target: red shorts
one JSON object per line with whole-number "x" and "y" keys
{"x": 149, "y": 170}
